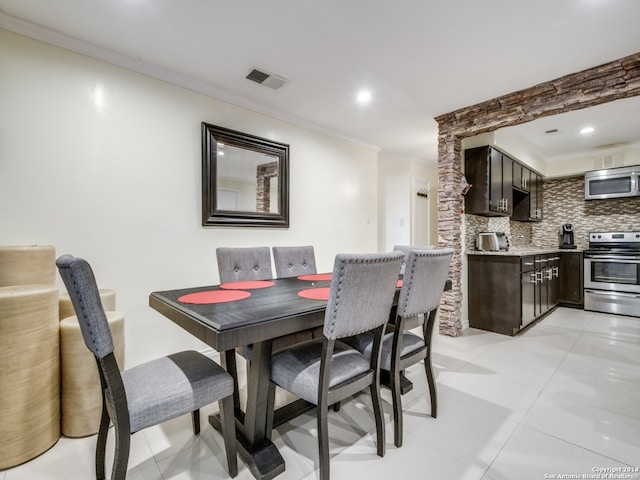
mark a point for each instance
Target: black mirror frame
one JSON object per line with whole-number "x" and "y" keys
{"x": 211, "y": 215}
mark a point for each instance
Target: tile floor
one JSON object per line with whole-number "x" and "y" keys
{"x": 562, "y": 398}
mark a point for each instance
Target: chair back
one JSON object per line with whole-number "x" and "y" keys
{"x": 424, "y": 278}
{"x": 362, "y": 290}
{"x": 294, "y": 261}
{"x": 85, "y": 297}
{"x": 243, "y": 264}
{"x": 407, "y": 248}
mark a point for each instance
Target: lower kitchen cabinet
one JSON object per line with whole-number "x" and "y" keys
{"x": 506, "y": 293}
{"x": 572, "y": 274}
{"x": 495, "y": 295}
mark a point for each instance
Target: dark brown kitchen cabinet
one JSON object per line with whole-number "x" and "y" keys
{"x": 507, "y": 293}
{"x": 528, "y": 284}
{"x": 546, "y": 282}
{"x": 521, "y": 177}
{"x": 552, "y": 278}
{"x": 571, "y": 271}
{"x": 495, "y": 294}
{"x": 535, "y": 197}
{"x": 501, "y": 186}
{"x": 490, "y": 173}
{"x": 527, "y": 205}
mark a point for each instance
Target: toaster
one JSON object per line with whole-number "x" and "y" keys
{"x": 503, "y": 241}
{"x": 487, "y": 241}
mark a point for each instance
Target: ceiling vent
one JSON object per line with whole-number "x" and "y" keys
{"x": 267, "y": 79}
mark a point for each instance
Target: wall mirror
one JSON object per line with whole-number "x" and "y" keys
{"x": 245, "y": 179}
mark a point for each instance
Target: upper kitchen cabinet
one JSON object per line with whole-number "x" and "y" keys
{"x": 521, "y": 177}
{"x": 535, "y": 198}
{"x": 490, "y": 173}
{"x": 527, "y": 206}
{"x": 501, "y": 186}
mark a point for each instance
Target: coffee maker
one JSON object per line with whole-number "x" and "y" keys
{"x": 567, "y": 236}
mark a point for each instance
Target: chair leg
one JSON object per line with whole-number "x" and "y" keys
{"x": 396, "y": 395}
{"x": 228, "y": 422}
{"x": 378, "y": 414}
{"x": 432, "y": 386}
{"x": 121, "y": 455}
{"x": 102, "y": 442}
{"x": 195, "y": 420}
{"x": 323, "y": 440}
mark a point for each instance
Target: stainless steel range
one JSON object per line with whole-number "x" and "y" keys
{"x": 612, "y": 273}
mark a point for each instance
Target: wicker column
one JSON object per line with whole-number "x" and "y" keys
{"x": 29, "y": 372}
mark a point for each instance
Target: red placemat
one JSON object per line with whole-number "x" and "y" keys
{"x": 214, "y": 296}
{"x": 399, "y": 284}
{"x": 316, "y": 277}
{"x": 248, "y": 285}
{"x": 315, "y": 293}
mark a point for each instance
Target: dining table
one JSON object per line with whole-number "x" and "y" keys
{"x": 231, "y": 316}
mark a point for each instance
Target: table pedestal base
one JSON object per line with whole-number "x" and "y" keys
{"x": 264, "y": 460}
{"x": 405, "y": 384}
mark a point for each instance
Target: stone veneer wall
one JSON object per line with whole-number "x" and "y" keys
{"x": 602, "y": 84}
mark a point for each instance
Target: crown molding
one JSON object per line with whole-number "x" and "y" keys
{"x": 46, "y": 35}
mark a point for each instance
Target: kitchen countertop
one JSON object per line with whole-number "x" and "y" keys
{"x": 524, "y": 251}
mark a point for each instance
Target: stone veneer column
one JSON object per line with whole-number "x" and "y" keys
{"x": 449, "y": 228}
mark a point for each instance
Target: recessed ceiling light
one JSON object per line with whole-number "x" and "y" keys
{"x": 364, "y": 96}
{"x": 586, "y": 130}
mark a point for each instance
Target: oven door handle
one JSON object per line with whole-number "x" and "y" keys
{"x": 625, "y": 258}
{"x": 607, "y": 294}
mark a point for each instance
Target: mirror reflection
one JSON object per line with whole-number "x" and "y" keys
{"x": 247, "y": 180}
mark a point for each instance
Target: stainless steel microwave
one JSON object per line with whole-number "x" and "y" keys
{"x": 612, "y": 183}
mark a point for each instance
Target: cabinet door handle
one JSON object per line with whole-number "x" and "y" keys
{"x": 534, "y": 277}
{"x": 556, "y": 271}
{"x": 550, "y": 274}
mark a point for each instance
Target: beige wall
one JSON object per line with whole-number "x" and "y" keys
{"x": 105, "y": 164}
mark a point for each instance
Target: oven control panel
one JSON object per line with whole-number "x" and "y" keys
{"x": 614, "y": 237}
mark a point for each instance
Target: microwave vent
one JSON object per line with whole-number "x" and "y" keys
{"x": 609, "y": 161}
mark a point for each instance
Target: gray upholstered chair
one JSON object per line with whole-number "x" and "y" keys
{"x": 294, "y": 261}
{"x": 423, "y": 283}
{"x": 146, "y": 394}
{"x": 407, "y": 248}
{"x": 325, "y": 371}
{"x": 243, "y": 264}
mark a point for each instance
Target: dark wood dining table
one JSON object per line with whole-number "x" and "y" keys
{"x": 268, "y": 313}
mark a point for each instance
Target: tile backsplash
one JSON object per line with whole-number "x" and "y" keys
{"x": 563, "y": 202}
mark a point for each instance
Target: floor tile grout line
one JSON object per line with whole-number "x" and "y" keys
{"x": 581, "y": 447}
